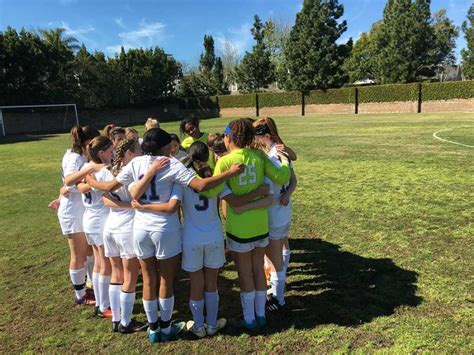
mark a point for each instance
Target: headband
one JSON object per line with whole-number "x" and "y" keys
{"x": 262, "y": 130}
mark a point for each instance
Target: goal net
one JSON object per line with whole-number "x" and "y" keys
{"x": 37, "y": 118}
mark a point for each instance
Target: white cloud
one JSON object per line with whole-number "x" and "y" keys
{"x": 146, "y": 35}
{"x": 119, "y": 22}
{"x": 149, "y": 32}
{"x": 239, "y": 38}
{"x": 80, "y": 33}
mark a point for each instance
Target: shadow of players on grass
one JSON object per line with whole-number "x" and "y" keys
{"x": 24, "y": 138}
{"x": 325, "y": 286}
{"x": 330, "y": 286}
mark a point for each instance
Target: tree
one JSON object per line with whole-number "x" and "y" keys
{"x": 360, "y": 65}
{"x": 230, "y": 60}
{"x": 60, "y": 53}
{"x": 256, "y": 70}
{"x": 313, "y": 57}
{"x": 445, "y": 39}
{"x": 468, "y": 53}
{"x": 276, "y": 34}
{"x": 209, "y": 79}
{"x": 25, "y": 68}
{"x": 405, "y": 41}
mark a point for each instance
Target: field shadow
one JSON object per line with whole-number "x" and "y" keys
{"x": 23, "y": 138}
{"x": 325, "y": 286}
{"x": 330, "y": 286}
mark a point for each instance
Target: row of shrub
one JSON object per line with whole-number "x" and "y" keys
{"x": 347, "y": 95}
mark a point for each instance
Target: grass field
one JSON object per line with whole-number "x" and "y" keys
{"x": 381, "y": 240}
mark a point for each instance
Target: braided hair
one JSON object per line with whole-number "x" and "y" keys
{"x": 124, "y": 146}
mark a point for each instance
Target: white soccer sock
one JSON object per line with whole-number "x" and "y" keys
{"x": 260, "y": 300}
{"x": 127, "y": 301}
{"x": 95, "y": 283}
{"x": 78, "y": 279}
{"x": 197, "y": 309}
{"x": 166, "y": 310}
{"x": 151, "y": 310}
{"x": 90, "y": 267}
{"x": 247, "y": 299}
{"x": 212, "y": 306}
{"x": 104, "y": 282}
{"x": 114, "y": 295}
{"x": 286, "y": 259}
{"x": 277, "y": 280}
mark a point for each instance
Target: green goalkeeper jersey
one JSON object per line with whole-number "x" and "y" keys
{"x": 250, "y": 225}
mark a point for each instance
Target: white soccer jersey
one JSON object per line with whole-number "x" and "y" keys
{"x": 96, "y": 212}
{"x": 202, "y": 224}
{"x": 71, "y": 206}
{"x": 278, "y": 215}
{"x": 119, "y": 220}
{"x": 159, "y": 191}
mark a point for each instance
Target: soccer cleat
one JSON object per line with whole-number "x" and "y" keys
{"x": 176, "y": 328}
{"x": 273, "y": 305}
{"x": 115, "y": 326}
{"x": 85, "y": 301}
{"x": 261, "y": 322}
{"x": 211, "y": 330}
{"x": 248, "y": 326}
{"x": 107, "y": 313}
{"x": 133, "y": 327}
{"x": 199, "y": 332}
{"x": 153, "y": 335}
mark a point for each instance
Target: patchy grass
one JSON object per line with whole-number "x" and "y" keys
{"x": 381, "y": 241}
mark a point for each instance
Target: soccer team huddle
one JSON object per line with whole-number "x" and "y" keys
{"x": 155, "y": 204}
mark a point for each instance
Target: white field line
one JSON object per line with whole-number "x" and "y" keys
{"x": 435, "y": 135}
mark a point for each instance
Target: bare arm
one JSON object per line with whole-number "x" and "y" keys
{"x": 284, "y": 148}
{"x": 168, "y": 207}
{"x": 109, "y": 201}
{"x": 241, "y": 200}
{"x": 260, "y": 203}
{"x": 75, "y": 178}
{"x": 140, "y": 187}
{"x": 213, "y": 181}
{"x": 285, "y": 198}
{"x": 103, "y": 185}
{"x": 83, "y": 187}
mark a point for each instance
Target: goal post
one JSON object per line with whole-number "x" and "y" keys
{"x": 6, "y": 123}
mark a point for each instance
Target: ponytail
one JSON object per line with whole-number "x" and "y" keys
{"x": 124, "y": 146}
{"x": 198, "y": 155}
{"x": 95, "y": 146}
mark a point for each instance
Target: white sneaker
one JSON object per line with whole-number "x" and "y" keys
{"x": 219, "y": 325}
{"x": 200, "y": 332}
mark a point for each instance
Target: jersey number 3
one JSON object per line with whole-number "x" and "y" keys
{"x": 249, "y": 176}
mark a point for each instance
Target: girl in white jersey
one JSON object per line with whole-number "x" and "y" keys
{"x": 203, "y": 248}
{"x": 100, "y": 151}
{"x": 71, "y": 210}
{"x": 118, "y": 244}
{"x": 157, "y": 236}
{"x": 279, "y": 213}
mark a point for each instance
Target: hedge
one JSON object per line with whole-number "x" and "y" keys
{"x": 273, "y": 99}
{"x": 331, "y": 96}
{"x": 448, "y": 90}
{"x": 195, "y": 103}
{"x": 230, "y": 101}
{"x": 388, "y": 93}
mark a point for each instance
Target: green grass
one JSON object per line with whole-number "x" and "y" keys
{"x": 381, "y": 240}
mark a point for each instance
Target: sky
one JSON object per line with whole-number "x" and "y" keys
{"x": 178, "y": 26}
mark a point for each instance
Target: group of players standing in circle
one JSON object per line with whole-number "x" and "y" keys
{"x": 155, "y": 202}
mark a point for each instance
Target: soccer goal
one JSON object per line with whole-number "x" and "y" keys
{"x": 37, "y": 118}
